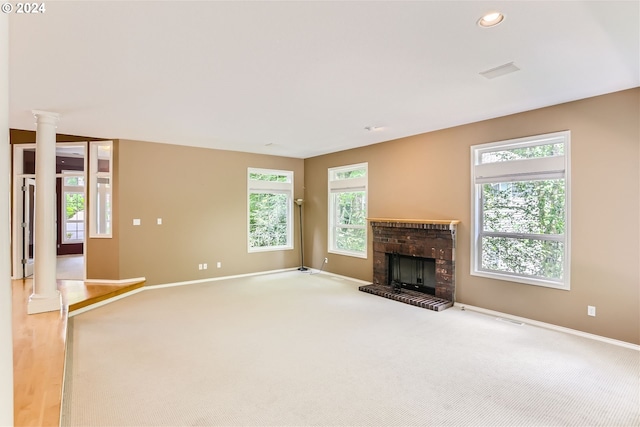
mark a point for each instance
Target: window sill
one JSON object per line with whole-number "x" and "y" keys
{"x": 347, "y": 253}
{"x": 270, "y": 249}
{"x": 522, "y": 280}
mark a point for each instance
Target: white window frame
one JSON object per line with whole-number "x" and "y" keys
{"x": 271, "y": 187}
{"x": 96, "y": 195}
{"x": 520, "y": 170}
{"x": 345, "y": 186}
{"x": 73, "y": 189}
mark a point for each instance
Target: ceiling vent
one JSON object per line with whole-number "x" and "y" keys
{"x": 500, "y": 71}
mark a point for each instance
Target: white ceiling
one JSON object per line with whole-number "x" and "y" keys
{"x": 301, "y": 79}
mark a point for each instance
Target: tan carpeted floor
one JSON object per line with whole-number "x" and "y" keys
{"x": 299, "y": 349}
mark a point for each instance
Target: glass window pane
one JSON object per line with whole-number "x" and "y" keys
{"x": 74, "y": 231}
{"x": 351, "y": 239}
{"x": 104, "y": 157}
{"x": 537, "y": 151}
{"x": 73, "y": 217}
{"x": 354, "y": 173}
{"x": 529, "y": 257}
{"x": 270, "y": 177}
{"x": 530, "y": 207}
{"x": 100, "y": 155}
{"x": 268, "y": 224}
{"x": 350, "y": 208}
{"x": 74, "y": 181}
{"x": 74, "y": 204}
{"x": 103, "y": 206}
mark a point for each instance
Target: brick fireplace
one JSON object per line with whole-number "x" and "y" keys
{"x": 428, "y": 240}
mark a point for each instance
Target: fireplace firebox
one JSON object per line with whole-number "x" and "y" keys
{"x": 414, "y": 273}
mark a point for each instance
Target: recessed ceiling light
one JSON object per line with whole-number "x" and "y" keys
{"x": 490, "y": 20}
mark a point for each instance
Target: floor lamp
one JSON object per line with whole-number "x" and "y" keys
{"x": 302, "y": 267}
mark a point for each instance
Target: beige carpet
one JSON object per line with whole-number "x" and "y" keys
{"x": 300, "y": 349}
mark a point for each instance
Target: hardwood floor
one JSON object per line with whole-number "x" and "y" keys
{"x": 39, "y": 343}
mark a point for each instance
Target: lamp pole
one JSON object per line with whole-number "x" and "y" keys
{"x": 302, "y": 267}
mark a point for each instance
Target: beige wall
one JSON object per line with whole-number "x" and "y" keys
{"x": 201, "y": 196}
{"x": 102, "y": 255}
{"x": 428, "y": 176}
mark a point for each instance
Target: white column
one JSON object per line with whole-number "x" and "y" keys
{"x": 6, "y": 339}
{"x": 45, "y": 296}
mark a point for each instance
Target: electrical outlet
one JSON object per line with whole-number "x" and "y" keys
{"x": 591, "y": 310}
{"x": 199, "y": 266}
{"x": 204, "y": 266}
{"x": 326, "y": 260}
{"x": 219, "y": 265}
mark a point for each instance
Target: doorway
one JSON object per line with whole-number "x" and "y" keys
{"x": 70, "y": 209}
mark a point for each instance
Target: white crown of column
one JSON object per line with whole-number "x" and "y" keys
{"x": 47, "y": 117}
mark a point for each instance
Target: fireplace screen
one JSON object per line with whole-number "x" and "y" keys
{"x": 414, "y": 273}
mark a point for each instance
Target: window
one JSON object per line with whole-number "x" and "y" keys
{"x": 270, "y": 205}
{"x": 520, "y": 210}
{"x": 72, "y": 207}
{"x": 348, "y": 210}
{"x": 100, "y": 169}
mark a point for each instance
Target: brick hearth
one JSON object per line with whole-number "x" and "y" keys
{"x": 408, "y": 296}
{"x": 434, "y": 239}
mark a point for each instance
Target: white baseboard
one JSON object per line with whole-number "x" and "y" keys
{"x": 363, "y": 282}
{"x": 549, "y": 326}
{"x": 215, "y": 279}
